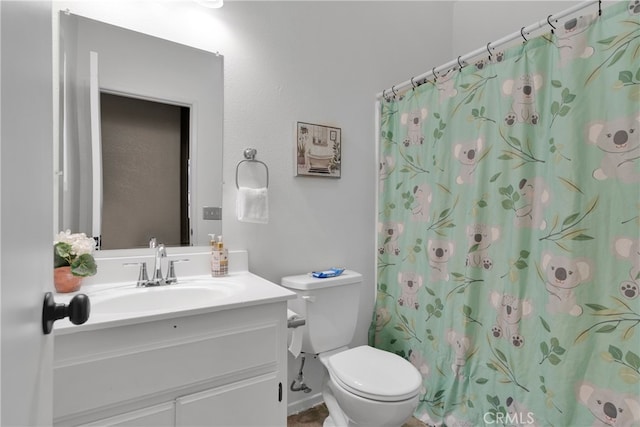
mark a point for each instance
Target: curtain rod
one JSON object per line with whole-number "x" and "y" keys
{"x": 460, "y": 61}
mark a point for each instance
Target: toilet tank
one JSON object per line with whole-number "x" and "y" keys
{"x": 330, "y": 307}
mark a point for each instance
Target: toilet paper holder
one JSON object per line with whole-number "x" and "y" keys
{"x": 295, "y": 322}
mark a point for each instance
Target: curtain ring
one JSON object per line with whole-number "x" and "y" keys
{"x": 489, "y": 49}
{"x": 459, "y": 64}
{"x": 522, "y": 34}
{"x": 413, "y": 84}
{"x": 599, "y": 7}
{"x": 435, "y": 76}
{"x": 384, "y": 95}
{"x": 393, "y": 89}
{"x": 550, "y": 24}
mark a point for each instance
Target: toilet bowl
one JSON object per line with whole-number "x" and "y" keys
{"x": 369, "y": 387}
{"x": 364, "y": 386}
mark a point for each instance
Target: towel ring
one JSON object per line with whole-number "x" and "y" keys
{"x": 250, "y": 156}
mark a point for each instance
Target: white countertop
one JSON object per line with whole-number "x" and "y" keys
{"x": 242, "y": 289}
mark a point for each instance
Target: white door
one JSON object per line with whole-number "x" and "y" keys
{"x": 26, "y": 197}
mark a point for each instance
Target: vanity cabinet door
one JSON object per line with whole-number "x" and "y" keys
{"x": 251, "y": 402}
{"x": 162, "y": 415}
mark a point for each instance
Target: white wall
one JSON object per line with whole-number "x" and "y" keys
{"x": 319, "y": 62}
{"x": 498, "y": 19}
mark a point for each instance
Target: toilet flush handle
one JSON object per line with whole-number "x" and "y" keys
{"x": 309, "y": 298}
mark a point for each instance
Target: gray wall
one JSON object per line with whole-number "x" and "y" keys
{"x": 141, "y": 168}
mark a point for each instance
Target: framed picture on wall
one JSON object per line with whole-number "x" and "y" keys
{"x": 318, "y": 150}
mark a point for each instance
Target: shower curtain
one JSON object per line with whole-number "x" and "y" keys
{"x": 508, "y": 250}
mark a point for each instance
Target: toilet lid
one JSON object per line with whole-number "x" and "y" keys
{"x": 375, "y": 374}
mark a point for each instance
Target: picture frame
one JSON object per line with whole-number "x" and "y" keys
{"x": 318, "y": 150}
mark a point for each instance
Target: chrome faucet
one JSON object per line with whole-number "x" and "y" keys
{"x": 157, "y": 278}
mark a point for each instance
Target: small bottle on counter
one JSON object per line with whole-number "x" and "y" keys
{"x": 215, "y": 259}
{"x": 219, "y": 257}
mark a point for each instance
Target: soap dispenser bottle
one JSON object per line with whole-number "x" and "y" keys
{"x": 223, "y": 256}
{"x": 215, "y": 259}
{"x": 219, "y": 258}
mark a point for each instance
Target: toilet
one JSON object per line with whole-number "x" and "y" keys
{"x": 365, "y": 386}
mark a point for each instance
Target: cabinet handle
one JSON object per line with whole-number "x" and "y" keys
{"x": 78, "y": 311}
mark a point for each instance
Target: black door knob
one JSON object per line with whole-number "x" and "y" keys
{"x": 78, "y": 311}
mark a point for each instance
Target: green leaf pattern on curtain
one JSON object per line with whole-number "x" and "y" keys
{"x": 509, "y": 231}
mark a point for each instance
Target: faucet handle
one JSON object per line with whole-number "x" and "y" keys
{"x": 143, "y": 278}
{"x": 171, "y": 274}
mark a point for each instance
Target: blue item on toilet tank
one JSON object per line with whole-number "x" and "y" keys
{"x": 332, "y": 272}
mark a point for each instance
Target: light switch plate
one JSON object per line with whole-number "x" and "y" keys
{"x": 211, "y": 213}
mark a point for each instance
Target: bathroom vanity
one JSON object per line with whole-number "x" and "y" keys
{"x": 220, "y": 363}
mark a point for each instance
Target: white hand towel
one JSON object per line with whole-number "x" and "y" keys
{"x": 252, "y": 205}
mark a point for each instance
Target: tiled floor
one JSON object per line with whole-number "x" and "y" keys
{"x": 315, "y": 416}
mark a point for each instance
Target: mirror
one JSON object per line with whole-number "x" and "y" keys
{"x": 139, "y": 145}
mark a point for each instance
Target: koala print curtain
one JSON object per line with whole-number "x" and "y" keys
{"x": 509, "y": 231}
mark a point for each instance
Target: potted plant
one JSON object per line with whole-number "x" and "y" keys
{"x": 72, "y": 260}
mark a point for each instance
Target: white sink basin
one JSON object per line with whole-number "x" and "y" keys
{"x": 121, "y": 303}
{"x": 190, "y": 294}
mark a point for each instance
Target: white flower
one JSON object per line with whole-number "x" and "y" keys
{"x": 80, "y": 243}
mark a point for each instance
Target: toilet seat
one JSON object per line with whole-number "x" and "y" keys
{"x": 374, "y": 374}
